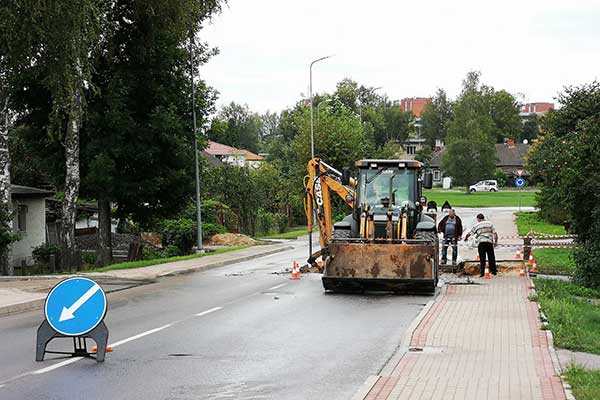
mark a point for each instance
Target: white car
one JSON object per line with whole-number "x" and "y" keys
{"x": 484, "y": 186}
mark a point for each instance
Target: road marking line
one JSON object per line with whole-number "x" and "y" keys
{"x": 56, "y": 366}
{"x": 277, "y": 287}
{"x": 139, "y": 335}
{"x": 277, "y": 254}
{"x": 208, "y": 311}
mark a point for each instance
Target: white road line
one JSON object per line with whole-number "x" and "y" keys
{"x": 208, "y": 311}
{"x": 56, "y": 366}
{"x": 277, "y": 254}
{"x": 277, "y": 287}
{"x": 139, "y": 335}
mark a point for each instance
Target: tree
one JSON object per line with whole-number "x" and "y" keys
{"x": 470, "y": 141}
{"x": 505, "y": 114}
{"x": 138, "y": 147}
{"x": 436, "y": 117}
{"x": 238, "y": 127}
{"x": 565, "y": 160}
{"x": 531, "y": 128}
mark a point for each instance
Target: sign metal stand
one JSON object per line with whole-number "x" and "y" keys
{"x": 74, "y": 308}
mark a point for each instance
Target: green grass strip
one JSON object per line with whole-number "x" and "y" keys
{"x": 573, "y": 314}
{"x": 293, "y": 233}
{"x": 156, "y": 261}
{"x": 482, "y": 199}
{"x": 585, "y": 383}
{"x": 555, "y": 261}
{"x": 531, "y": 221}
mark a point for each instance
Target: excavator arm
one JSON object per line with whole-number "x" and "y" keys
{"x": 323, "y": 180}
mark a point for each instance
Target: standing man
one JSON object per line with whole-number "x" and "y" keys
{"x": 486, "y": 238}
{"x": 451, "y": 227}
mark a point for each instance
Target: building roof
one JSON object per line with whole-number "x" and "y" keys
{"x": 507, "y": 155}
{"x": 219, "y": 149}
{"x": 26, "y": 191}
{"x": 212, "y": 160}
{"x": 511, "y": 154}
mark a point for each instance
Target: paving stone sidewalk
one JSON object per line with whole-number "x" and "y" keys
{"x": 479, "y": 341}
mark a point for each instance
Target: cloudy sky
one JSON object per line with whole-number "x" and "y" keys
{"x": 409, "y": 48}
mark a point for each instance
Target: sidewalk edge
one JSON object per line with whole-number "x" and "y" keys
{"x": 401, "y": 350}
{"x": 553, "y": 356}
{"x": 219, "y": 264}
{"x": 31, "y": 305}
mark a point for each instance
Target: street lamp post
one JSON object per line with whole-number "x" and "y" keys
{"x": 312, "y": 132}
{"x": 199, "y": 248}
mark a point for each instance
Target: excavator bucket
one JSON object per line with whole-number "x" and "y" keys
{"x": 407, "y": 267}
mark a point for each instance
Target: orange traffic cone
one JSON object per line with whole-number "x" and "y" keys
{"x": 531, "y": 259}
{"x": 533, "y": 270}
{"x": 108, "y": 349}
{"x": 295, "y": 271}
{"x": 478, "y": 259}
{"x": 518, "y": 255}
{"x": 486, "y": 275}
{"x": 522, "y": 270}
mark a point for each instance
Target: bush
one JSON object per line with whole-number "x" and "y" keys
{"x": 281, "y": 222}
{"x": 265, "y": 221}
{"x": 88, "y": 257}
{"x": 501, "y": 177}
{"x": 209, "y": 229}
{"x": 41, "y": 254}
{"x": 170, "y": 251}
{"x": 180, "y": 233}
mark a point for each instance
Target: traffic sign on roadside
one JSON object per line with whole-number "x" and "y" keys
{"x": 75, "y": 306}
{"x": 519, "y": 182}
{"x": 520, "y": 172}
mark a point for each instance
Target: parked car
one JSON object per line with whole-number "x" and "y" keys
{"x": 484, "y": 186}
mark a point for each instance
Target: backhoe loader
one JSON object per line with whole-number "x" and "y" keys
{"x": 387, "y": 242}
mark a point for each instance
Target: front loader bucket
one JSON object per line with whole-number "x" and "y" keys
{"x": 409, "y": 268}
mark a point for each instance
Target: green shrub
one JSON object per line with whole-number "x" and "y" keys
{"x": 41, "y": 254}
{"x": 209, "y": 229}
{"x": 180, "y": 233}
{"x": 500, "y": 177}
{"x": 265, "y": 221}
{"x": 280, "y": 222}
{"x": 88, "y": 257}
{"x": 171, "y": 251}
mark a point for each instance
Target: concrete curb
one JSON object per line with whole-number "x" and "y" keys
{"x": 184, "y": 271}
{"x": 401, "y": 350}
{"x": 36, "y": 304}
{"x": 555, "y": 361}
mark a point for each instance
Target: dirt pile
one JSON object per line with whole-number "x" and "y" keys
{"x": 473, "y": 268}
{"x": 230, "y": 239}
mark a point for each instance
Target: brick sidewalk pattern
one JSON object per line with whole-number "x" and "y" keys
{"x": 476, "y": 342}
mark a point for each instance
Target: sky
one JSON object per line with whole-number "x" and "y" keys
{"x": 532, "y": 49}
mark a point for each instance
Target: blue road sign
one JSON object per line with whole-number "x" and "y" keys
{"x": 519, "y": 182}
{"x": 75, "y": 306}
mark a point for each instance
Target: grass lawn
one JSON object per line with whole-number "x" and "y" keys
{"x": 482, "y": 199}
{"x": 555, "y": 261}
{"x": 156, "y": 261}
{"x": 573, "y": 314}
{"x": 530, "y": 221}
{"x": 584, "y": 382}
{"x": 292, "y": 233}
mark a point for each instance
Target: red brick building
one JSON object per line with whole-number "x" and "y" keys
{"x": 536, "y": 108}
{"x": 414, "y": 104}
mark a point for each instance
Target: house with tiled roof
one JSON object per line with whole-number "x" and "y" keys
{"x": 510, "y": 157}
{"x": 234, "y": 156}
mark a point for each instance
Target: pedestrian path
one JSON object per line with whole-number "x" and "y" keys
{"x": 479, "y": 341}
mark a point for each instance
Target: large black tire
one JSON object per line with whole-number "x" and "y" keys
{"x": 342, "y": 233}
{"x": 427, "y": 235}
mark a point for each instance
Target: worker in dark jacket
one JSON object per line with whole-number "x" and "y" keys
{"x": 451, "y": 227}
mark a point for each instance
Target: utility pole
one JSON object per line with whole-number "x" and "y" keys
{"x": 199, "y": 248}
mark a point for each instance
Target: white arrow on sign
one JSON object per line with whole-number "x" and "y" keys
{"x": 67, "y": 313}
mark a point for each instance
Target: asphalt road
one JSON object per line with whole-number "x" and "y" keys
{"x": 237, "y": 332}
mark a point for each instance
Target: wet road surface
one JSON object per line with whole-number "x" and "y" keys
{"x": 238, "y": 332}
